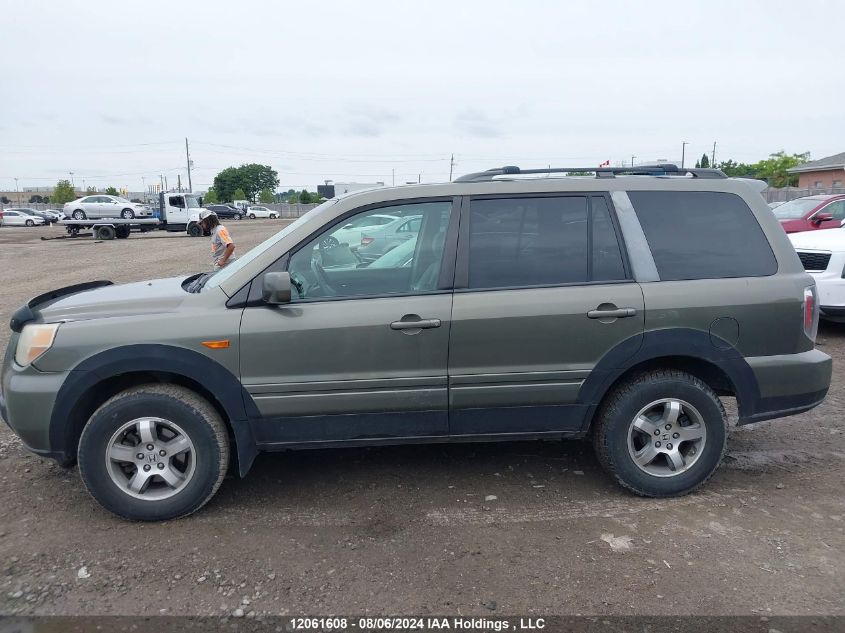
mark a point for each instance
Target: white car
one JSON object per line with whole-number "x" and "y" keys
{"x": 17, "y": 217}
{"x": 103, "y": 206}
{"x": 261, "y": 212}
{"x": 352, "y": 232}
{"x": 823, "y": 255}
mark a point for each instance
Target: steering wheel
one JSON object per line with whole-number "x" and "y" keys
{"x": 322, "y": 278}
{"x": 329, "y": 242}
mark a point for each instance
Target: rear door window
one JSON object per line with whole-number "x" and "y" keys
{"x": 702, "y": 235}
{"x": 542, "y": 241}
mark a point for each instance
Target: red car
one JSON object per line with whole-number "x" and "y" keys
{"x": 811, "y": 213}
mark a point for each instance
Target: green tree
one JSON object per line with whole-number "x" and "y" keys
{"x": 210, "y": 197}
{"x": 266, "y": 196}
{"x": 63, "y": 192}
{"x": 111, "y": 191}
{"x": 704, "y": 162}
{"x": 251, "y": 179}
{"x": 239, "y": 194}
{"x": 304, "y": 197}
{"x": 773, "y": 169}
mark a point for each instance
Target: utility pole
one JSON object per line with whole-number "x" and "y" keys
{"x": 451, "y": 166}
{"x": 188, "y": 157}
{"x": 632, "y": 160}
{"x": 71, "y": 180}
{"x": 683, "y": 152}
{"x": 713, "y": 157}
{"x": 161, "y": 182}
{"x": 17, "y": 195}
{"x": 179, "y": 182}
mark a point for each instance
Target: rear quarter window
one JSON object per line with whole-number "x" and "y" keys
{"x": 702, "y": 235}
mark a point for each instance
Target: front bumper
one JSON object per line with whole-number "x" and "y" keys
{"x": 26, "y": 405}
{"x": 789, "y": 384}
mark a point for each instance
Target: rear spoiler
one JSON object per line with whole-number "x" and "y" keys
{"x": 26, "y": 313}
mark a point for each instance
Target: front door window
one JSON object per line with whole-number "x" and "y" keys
{"x": 407, "y": 258}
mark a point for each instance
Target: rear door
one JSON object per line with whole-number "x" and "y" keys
{"x": 542, "y": 292}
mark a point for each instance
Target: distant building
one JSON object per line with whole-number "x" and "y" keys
{"x": 341, "y": 188}
{"x": 825, "y": 173}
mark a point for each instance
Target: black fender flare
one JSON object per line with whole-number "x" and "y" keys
{"x": 219, "y": 381}
{"x": 671, "y": 342}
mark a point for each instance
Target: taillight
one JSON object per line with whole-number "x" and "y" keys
{"x": 366, "y": 240}
{"x": 810, "y": 307}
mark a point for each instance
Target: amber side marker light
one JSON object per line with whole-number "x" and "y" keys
{"x": 216, "y": 344}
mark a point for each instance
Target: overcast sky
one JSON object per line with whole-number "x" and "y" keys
{"x": 353, "y": 90}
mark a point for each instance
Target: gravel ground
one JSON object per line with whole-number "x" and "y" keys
{"x": 527, "y": 528}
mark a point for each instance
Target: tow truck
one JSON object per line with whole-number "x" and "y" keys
{"x": 179, "y": 211}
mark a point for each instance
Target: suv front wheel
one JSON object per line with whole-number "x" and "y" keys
{"x": 154, "y": 452}
{"x": 661, "y": 434}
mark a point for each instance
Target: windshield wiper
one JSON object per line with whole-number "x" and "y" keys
{"x": 197, "y": 284}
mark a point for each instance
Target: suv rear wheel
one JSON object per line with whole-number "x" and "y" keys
{"x": 154, "y": 452}
{"x": 661, "y": 434}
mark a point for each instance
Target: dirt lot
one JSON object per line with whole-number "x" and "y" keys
{"x": 414, "y": 529}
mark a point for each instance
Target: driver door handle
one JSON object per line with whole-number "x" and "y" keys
{"x": 421, "y": 324}
{"x": 617, "y": 313}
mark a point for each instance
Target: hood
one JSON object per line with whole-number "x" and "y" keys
{"x": 145, "y": 297}
{"x": 832, "y": 240}
{"x": 794, "y": 225}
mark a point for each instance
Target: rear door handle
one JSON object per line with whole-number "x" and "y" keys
{"x": 421, "y": 324}
{"x": 617, "y": 313}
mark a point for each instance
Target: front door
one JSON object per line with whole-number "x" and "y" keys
{"x": 360, "y": 353}
{"x": 542, "y": 293}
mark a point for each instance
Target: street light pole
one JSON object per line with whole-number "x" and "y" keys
{"x": 17, "y": 194}
{"x": 632, "y": 160}
{"x": 683, "y": 152}
{"x": 72, "y": 184}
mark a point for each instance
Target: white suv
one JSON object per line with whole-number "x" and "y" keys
{"x": 823, "y": 255}
{"x": 103, "y": 206}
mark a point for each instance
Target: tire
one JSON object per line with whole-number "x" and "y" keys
{"x": 237, "y": 216}
{"x": 30, "y": 223}
{"x": 127, "y": 214}
{"x": 79, "y": 214}
{"x": 619, "y": 442}
{"x": 122, "y": 232}
{"x": 106, "y": 233}
{"x": 190, "y": 416}
{"x": 194, "y": 230}
{"x": 273, "y": 216}
{"x": 251, "y": 216}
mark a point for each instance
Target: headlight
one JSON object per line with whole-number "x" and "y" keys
{"x": 34, "y": 341}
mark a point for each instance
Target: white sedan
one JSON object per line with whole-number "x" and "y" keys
{"x": 18, "y": 217}
{"x": 823, "y": 255}
{"x": 352, "y": 232}
{"x": 103, "y": 206}
{"x": 261, "y": 212}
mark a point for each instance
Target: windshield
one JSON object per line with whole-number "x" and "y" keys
{"x": 795, "y": 209}
{"x": 192, "y": 202}
{"x": 225, "y": 273}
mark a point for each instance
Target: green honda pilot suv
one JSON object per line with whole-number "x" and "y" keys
{"x": 619, "y": 306}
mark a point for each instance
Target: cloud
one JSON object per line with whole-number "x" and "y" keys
{"x": 474, "y": 122}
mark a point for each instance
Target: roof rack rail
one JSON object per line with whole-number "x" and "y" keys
{"x": 661, "y": 169}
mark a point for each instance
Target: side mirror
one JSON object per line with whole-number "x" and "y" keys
{"x": 276, "y": 289}
{"x": 822, "y": 217}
